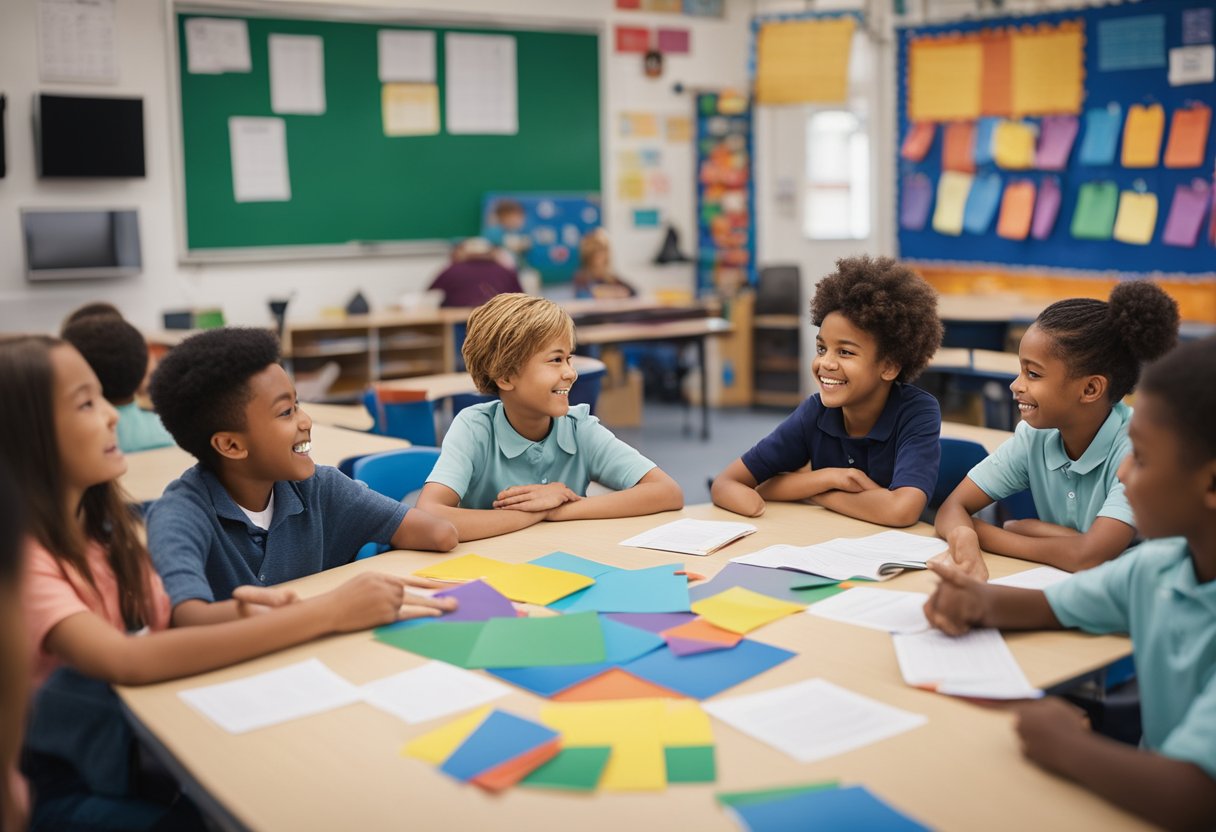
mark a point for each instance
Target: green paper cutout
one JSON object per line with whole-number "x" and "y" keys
{"x": 450, "y": 642}
{"x": 577, "y": 638}
{"x": 818, "y": 593}
{"x": 748, "y": 798}
{"x": 691, "y": 764}
{"x": 1094, "y": 216}
{"x": 576, "y": 769}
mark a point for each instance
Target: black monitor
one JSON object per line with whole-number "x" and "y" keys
{"x": 73, "y": 245}
{"x": 89, "y": 136}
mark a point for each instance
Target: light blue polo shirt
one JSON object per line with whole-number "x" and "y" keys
{"x": 1066, "y": 492}
{"x": 140, "y": 430}
{"x": 482, "y": 455}
{"x": 1152, "y": 593}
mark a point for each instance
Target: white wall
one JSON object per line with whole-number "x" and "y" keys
{"x": 718, "y": 59}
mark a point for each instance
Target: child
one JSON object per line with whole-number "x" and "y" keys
{"x": 506, "y": 230}
{"x": 118, "y": 353}
{"x": 595, "y": 278}
{"x": 1079, "y": 359}
{"x": 870, "y": 437}
{"x": 255, "y": 509}
{"x": 89, "y": 583}
{"x": 474, "y": 275}
{"x": 14, "y": 661}
{"x": 529, "y": 456}
{"x": 1163, "y": 593}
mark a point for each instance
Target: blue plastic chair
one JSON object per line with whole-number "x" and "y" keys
{"x": 959, "y": 456}
{"x": 406, "y": 415}
{"x": 393, "y": 474}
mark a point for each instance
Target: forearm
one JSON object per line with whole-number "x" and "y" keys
{"x": 1014, "y": 608}
{"x": 794, "y": 486}
{"x": 1032, "y": 527}
{"x": 950, "y": 516}
{"x": 643, "y": 498}
{"x": 900, "y": 507}
{"x": 196, "y": 611}
{"x": 738, "y": 497}
{"x": 1068, "y": 553}
{"x": 423, "y": 530}
{"x": 475, "y": 524}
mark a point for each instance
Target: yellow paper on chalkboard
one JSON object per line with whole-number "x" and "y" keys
{"x": 944, "y": 80}
{"x": 804, "y": 61}
{"x": 952, "y": 190}
{"x": 410, "y": 109}
{"x": 1047, "y": 71}
{"x": 1013, "y": 145}
{"x": 631, "y": 186}
{"x": 1142, "y": 136}
{"x": 1136, "y": 219}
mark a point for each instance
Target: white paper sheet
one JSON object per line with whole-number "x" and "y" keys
{"x": 1192, "y": 65}
{"x": 406, "y": 56}
{"x": 1038, "y": 578}
{"x": 217, "y": 45}
{"x": 480, "y": 91}
{"x": 297, "y": 74}
{"x": 433, "y": 690}
{"x": 690, "y": 537}
{"x": 76, "y": 41}
{"x": 269, "y": 698}
{"x": 876, "y": 557}
{"x": 877, "y": 609}
{"x": 814, "y": 719}
{"x": 977, "y": 664}
{"x": 259, "y": 159}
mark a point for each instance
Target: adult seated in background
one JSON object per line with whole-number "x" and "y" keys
{"x": 475, "y": 275}
{"x": 595, "y": 278}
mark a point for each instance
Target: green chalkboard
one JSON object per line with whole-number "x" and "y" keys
{"x": 350, "y": 182}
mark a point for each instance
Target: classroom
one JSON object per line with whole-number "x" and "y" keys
{"x": 743, "y": 414}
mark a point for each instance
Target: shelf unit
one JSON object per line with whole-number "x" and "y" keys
{"x": 777, "y": 367}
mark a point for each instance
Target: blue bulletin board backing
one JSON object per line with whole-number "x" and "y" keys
{"x": 554, "y": 224}
{"x": 1060, "y": 250}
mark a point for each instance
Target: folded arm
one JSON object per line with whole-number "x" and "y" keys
{"x": 654, "y": 492}
{"x": 898, "y": 507}
{"x": 473, "y": 524}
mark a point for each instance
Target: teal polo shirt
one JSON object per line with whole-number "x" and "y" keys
{"x": 1067, "y": 492}
{"x": 1151, "y": 592}
{"x": 482, "y": 454}
{"x": 139, "y": 430}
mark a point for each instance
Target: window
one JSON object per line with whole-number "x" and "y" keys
{"x": 837, "y": 205}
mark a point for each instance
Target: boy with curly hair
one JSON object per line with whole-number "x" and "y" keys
{"x": 866, "y": 445}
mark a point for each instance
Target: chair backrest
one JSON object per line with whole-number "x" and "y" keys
{"x": 405, "y": 415}
{"x": 976, "y": 335}
{"x": 587, "y": 389}
{"x": 779, "y": 291}
{"x": 396, "y": 473}
{"x": 959, "y": 456}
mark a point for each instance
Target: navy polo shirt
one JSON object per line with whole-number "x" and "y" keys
{"x": 204, "y": 546}
{"x": 902, "y": 449}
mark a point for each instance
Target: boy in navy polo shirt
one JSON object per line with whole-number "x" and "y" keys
{"x": 866, "y": 445}
{"x": 256, "y": 510}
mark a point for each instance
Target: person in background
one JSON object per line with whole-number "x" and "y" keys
{"x": 14, "y": 657}
{"x": 595, "y": 277}
{"x": 506, "y": 230}
{"x": 475, "y": 275}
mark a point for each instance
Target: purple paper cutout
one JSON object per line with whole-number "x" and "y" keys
{"x": 1056, "y": 138}
{"x": 654, "y": 622}
{"x": 691, "y": 646}
{"x": 1186, "y": 215}
{"x": 477, "y": 601}
{"x": 1046, "y": 208}
{"x": 916, "y": 200}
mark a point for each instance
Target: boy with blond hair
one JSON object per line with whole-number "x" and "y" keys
{"x": 529, "y": 456}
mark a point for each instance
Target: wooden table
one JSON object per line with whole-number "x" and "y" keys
{"x": 349, "y": 416}
{"x": 990, "y": 438}
{"x": 343, "y": 770}
{"x": 148, "y": 472}
{"x": 446, "y": 385}
{"x": 985, "y": 361}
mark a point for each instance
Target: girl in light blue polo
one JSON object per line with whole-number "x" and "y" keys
{"x": 1078, "y": 360}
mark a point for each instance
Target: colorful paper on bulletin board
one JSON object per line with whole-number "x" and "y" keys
{"x": 639, "y": 125}
{"x": 1013, "y": 145}
{"x": 918, "y": 141}
{"x": 1048, "y": 71}
{"x": 646, "y": 218}
{"x": 1094, "y": 216}
{"x": 1136, "y": 219}
{"x": 952, "y": 190}
{"x": 631, "y": 186}
{"x": 658, "y": 183}
{"x": 1101, "y": 140}
{"x": 958, "y": 147}
{"x": 985, "y": 130}
{"x": 996, "y": 83}
{"x": 410, "y": 109}
{"x": 944, "y": 80}
{"x": 1056, "y": 137}
{"x": 804, "y": 61}
{"x": 678, "y": 128}
{"x": 632, "y": 39}
{"x": 674, "y": 41}
{"x": 982, "y": 202}
{"x": 629, "y": 4}
{"x": 663, "y": 6}
{"x": 1142, "y": 136}
{"x": 1186, "y": 215}
{"x": 1188, "y": 136}
{"x": 1017, "y": 209}
{"x": 1197, "y": 26}
{"x": 916, "y": 197}
{"x": 1192, "y": 65}
{"x": 1131, "y": 42}
{"x": 1046, "y": 208}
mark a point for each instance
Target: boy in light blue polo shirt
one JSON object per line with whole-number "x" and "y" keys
{"x": 529, "y": 456}
{"x": 1163, "y": 593}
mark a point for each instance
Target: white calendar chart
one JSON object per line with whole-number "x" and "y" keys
{"x": 76, "y": 41}
{"x": 481, "y": 92}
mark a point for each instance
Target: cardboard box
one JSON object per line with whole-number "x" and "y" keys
{"x": 620, "y": 405}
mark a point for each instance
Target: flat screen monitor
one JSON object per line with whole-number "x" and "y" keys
{"x": 89, "y": 136}
{"x": 74, "y": 245}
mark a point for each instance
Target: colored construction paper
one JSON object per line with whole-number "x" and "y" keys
{"x": 518, "y": 581}
{"x": 701, "y": 630}
{"x": 452, "y": 643}
{"x": 944, "y": 79}
{"x": 623, "y": 643}
{"x": 818, "y": 593}
{"x": 1142, "y": 135}
{"x": 606, "y": 723}
{"x": 573, "y": 563}
{"x": 1013, "y": 145}
{"x": 575, "y": 768}
{"x": 916, "y": 197}
{"x": 1047, "y": 69}
{"x": 436, "y": 746}
{"x": 1017, "y": 208}
{"x": 498, "y": 739}
{"x": 692, "y": 764}
{"x": 852, "y": 807}
{"x": 1056, "y": 137}
{"x": 674, "y": 41}
{"x": 1186, "y": 214}
{"x": 985, "y": 129}
{"x": 952, "y": 190}
{"x": 634, "y": 39}
{"x": 1136, "y": 219}
{"x": 918, "y": 141}
{"x": 747, "y": 798}
{"x": 706, "y": 674}
{"x": 691, "y": 647}
{"x": 741, "y": 610}
{"x": 509, "y": 773}
{"x": 1131, "y": 42}
{"x": 1046, "y": 208}
{"x": 1094, "y": 216}
{"x": 804, "y": 61}
{"x": 656, "y": 589}
{"x": 476, "y": 601}
{"x": 982, "y": 203}
{"x": 958, "y": 147}
{"x": 685, "y": 724}
{"x": 1188, "y": 137}
{"x": 549, "y": 681}
{"x": 539, "y": 642}
{"x": 655, "y": 622}
{"x": 635, "y": 765}
{"x": 613, "y": 683}
{"x": 996, "y": 85}
{"x": 1101, "y": 139}
{"x": 775, "y": 583}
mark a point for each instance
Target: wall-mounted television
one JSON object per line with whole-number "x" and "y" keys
{"x": 80, "y": 245}
{"x": 88, "y": 136}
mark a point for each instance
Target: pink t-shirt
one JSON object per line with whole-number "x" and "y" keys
{"x": 53, "y": 591}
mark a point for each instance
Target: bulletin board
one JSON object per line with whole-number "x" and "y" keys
{"x": 353, "y": 186}
{"x": 1025, "y": 78}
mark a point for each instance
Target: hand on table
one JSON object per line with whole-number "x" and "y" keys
{"x": 535, "y": 497}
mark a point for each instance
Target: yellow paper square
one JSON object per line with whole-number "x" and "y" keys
{"x": 1137, "y": 218}
{"x": 631, "y": 186}
{"x": 518, "y": 581}
{"x": 410, "y": 109}
{"x": 686, "y": 724}
{"x": 678, "y": 128}
{"x": 604, "y": 723}
{"x": 1142, "y": 135}
{"x": 952, "y": 190}
{"x": 741, "y": 610}
{"x": 944, "y": 81}
{"x": 804, "y": 61}
{"x": 636, "y": 764}
{"x": 464, "y": 568}
{"x": 436, "y": 746}
{"x": 1013, "y": 145}
{"x": 1047, "y": 71}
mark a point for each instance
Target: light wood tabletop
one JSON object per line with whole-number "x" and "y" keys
{"x": 446, "y": 385}
{"x": 343, "y": 769}
{"x": 990, "y": 438}
{"x": 657, "y": 331}
{"x": 349, "y": 416}
{"x": 989, "y": 361}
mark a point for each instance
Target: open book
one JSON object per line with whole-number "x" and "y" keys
{"x": 690, "y": 537}
{"x": 876, "y": 557}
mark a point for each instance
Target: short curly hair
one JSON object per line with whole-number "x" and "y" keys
{"x": 115, "y": 350}
{"x": 507, "y": 330}
{"x": 202, "y": 386}
{"x": 890, "y": 302}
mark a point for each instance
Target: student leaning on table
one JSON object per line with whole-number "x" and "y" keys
{"x": 1078, "y": 360}
{"x": 529, "y": 456}
{"x": 1163, "y": 592}
{"x": 871, "y": 438}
